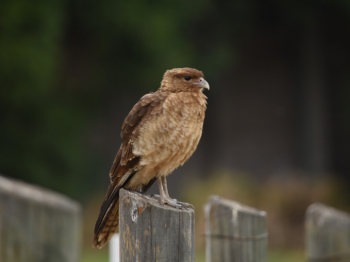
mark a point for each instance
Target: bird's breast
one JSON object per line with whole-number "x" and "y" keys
{"x": 168, "y": 139}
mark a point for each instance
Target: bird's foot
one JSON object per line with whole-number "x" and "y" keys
{"x": 172, "y": 202}
{"x": 167, "y": 200}
{"x": 185, "y": 205}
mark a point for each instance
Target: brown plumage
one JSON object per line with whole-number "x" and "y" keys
{"x": 160, "y": 133}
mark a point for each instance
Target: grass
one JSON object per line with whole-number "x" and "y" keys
{"x": 286, "y": 256}
{"x": 95, "y": 255}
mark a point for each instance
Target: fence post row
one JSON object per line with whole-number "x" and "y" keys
{"x": 37, "y": 225}
{"x": 150, "y": 231}
{"x": 234, "y": 232}
{"x": 327, "y": 234}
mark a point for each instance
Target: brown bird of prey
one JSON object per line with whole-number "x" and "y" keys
{"x": 160, "y": 133}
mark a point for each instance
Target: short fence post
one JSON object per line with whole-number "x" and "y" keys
{"x": 327, "y": 234}
{"x": 37, "y": 225}
{"x": 234, "y": 232}
{"x": 151, "y": 232}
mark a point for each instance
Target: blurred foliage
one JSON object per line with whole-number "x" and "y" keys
{"x": 39, "y": 133}
{"x": 60, "y": 59}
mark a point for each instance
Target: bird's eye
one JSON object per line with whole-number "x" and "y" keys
{"x": 187, "y": 78}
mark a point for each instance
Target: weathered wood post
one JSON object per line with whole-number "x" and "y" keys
{"x": 327, "y": 234}
{"x": 150, "y": 231}
{"x": 37, "y": 225}
{"x": 234, "y": 232}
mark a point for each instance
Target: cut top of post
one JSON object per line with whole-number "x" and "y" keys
{"x": 214, "y": 200}
{"x": 320, "y": 215}
{"x": 327, "y": 234}
{"x": 38, "y": 194}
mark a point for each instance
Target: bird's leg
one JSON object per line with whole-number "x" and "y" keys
{"x": 164, "y": 195}
{"x": 165, "y": 187}
{"x": 160, "y": 186}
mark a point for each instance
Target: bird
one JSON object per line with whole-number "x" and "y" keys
{"x": 160, "y": 133}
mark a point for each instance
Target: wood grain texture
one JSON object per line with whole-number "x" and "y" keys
{"x": 37, "y": 225}
{"x": 234, "y": 232}
{"x": 327, "y": 234}
{"x": 150, "y": 231}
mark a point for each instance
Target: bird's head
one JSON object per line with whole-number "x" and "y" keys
{"x": 183, "y": 80}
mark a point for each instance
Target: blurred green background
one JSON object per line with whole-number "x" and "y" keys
{"x": 277, "y": 131}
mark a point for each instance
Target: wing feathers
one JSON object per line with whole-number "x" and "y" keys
{"x": 125, "y": 165}
{"x": 143, "y": 111}
{"x": 134, "y": 119}
{"x": 108, "y": 218}
{"x": 132, "y": 122}
{"x": 127, "y": 154}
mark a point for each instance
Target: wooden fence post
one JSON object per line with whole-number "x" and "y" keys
{"x": 37, "y": 225}
{"x": 150, "y": 231}
{"x": 234, "y": 232}
{"x": 327, "y": 234}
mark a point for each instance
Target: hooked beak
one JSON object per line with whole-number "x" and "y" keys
{"x": 202, "y": 83}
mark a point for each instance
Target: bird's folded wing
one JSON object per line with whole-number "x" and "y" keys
{"x": 140, "y": 113}
{"x": 126, "y": 163}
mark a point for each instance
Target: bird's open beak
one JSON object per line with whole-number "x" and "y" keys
{"x": 202, "y": 83}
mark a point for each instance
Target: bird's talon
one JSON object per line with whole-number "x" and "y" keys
{"x": 156, "y": 196}
{"x": 186, "y": 205}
